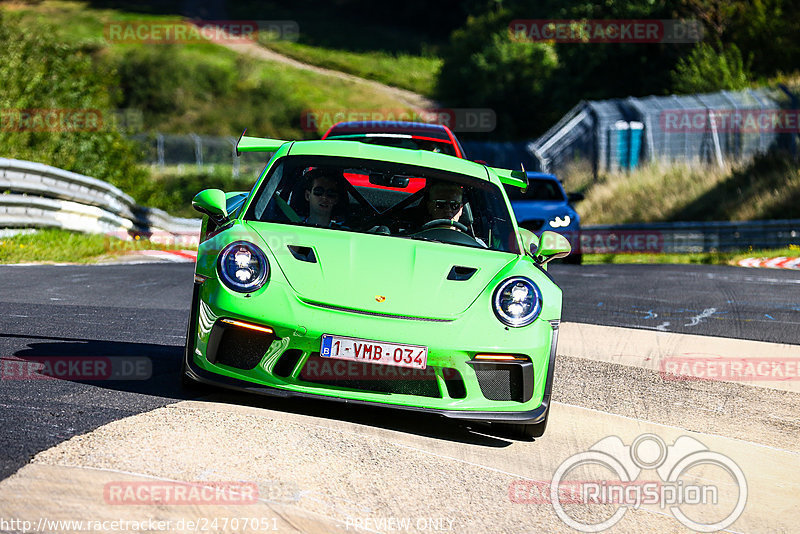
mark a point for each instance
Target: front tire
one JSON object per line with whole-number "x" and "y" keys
{"x": 187, "y": 383}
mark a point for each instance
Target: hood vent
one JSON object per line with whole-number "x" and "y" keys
{"x": 303, "y": 253}
{"x": 460, "y": 273}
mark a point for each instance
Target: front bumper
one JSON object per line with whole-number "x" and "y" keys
{"x": 473, "y": 407}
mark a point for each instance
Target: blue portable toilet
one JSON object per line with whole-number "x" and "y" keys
{"x": 635, "y": 146}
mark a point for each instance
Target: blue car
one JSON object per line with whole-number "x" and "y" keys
{"x": 546, "y": 206}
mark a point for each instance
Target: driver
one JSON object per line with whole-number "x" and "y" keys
{"x": 445, "y": 200}
{"x": 326, "y": 195}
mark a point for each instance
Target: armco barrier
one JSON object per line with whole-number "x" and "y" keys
{"x": 38, "y": 195}
{"x": 687, "y": 237}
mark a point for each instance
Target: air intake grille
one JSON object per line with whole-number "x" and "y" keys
{"x": 241, "y": 348}
{"x": 370, "y": 377}
{"x": 287, "y": 362}
{"x": 500, "y": 382}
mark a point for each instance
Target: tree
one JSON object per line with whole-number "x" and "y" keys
{"x": 707, "y": 69}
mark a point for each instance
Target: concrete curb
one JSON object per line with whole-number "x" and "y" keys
{"x": 781, "y": 262}
{"x": 686, "y": 356}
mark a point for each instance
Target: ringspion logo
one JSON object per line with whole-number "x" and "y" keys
{"x": 591, "y": 491}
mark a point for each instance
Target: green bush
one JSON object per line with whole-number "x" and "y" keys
{"x": 706, "y": 70}
{"x": 206, "y": 90}
{"x": 38, "y": 72}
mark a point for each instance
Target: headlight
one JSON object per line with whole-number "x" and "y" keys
{"x": 517, "y": 302}
{"x": 558, "y": 222}
{"x": 243, "y": 267}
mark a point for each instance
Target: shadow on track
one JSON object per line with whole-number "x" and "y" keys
{"x": 162, "y": 380}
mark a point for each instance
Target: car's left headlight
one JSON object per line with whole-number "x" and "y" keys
{"x": 243, "y": 267}
{"x": 517, "y": 301}
{"x": 560, "y": 222}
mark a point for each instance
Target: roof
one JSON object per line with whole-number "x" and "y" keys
{"x": 433, "y": 131}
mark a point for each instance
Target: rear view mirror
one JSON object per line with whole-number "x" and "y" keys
{"x": 574, "y": 197}
{"x": 389, "y": 180}
{"x": 211, "y": 202}
{"x": 551, "y": 246}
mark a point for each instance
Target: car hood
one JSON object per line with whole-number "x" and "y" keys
{"x": 382, "y": 274}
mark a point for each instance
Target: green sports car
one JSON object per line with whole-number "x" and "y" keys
{"x": 376, "y": 275}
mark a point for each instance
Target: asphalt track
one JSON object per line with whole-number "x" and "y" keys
{"x": 709, "y": 300}
{"x": 141, "y": 310}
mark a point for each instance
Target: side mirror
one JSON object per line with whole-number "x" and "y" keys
{"x": 551, "y": 246}
{"x": 574, "y": 197}
{"x": 211, "y": 202}
{"x": 529, "y": 241}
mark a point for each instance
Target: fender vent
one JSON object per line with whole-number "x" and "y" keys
{"x": 303, "y": 253}
{"x": 461, "y": 273}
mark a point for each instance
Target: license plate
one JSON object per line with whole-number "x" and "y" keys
{"x": 364, "y": 350}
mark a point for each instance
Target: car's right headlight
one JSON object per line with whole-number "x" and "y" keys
{"x": 517, "y": 301}
{"x": 243, "y": 267}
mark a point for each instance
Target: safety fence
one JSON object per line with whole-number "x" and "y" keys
{"x": 688, "y": 237}
{"x": 40, "y": 196}
{"x": 198, "y": 153}
{"x": 713, "y": 128}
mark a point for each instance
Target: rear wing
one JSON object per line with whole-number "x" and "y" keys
{"x": 257, "y": 144}
{"x": 514, "y": 178}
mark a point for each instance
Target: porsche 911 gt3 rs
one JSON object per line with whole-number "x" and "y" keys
{"x": 311, "y": 286}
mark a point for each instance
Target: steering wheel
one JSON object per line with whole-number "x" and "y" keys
{"x": 443, "y": 222}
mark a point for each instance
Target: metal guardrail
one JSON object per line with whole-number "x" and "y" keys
{"x": 39, "y": 195}
{"x": 688, "y": 237}
{"x": 44, "y": 196}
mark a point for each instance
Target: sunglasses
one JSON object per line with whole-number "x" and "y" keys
{"x": 445, "y": 204}
{"x": 330, "y": 193}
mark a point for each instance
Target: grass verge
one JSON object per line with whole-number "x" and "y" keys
{"x": 61, "y": 246}
{"x": 766, "y": 188}
{"x": 415, "y": 73}
{"x": 206, "y": 88}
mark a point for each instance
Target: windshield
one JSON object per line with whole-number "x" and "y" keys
{"x": 390, "y": 199}
{"x": 538, "y": 189}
